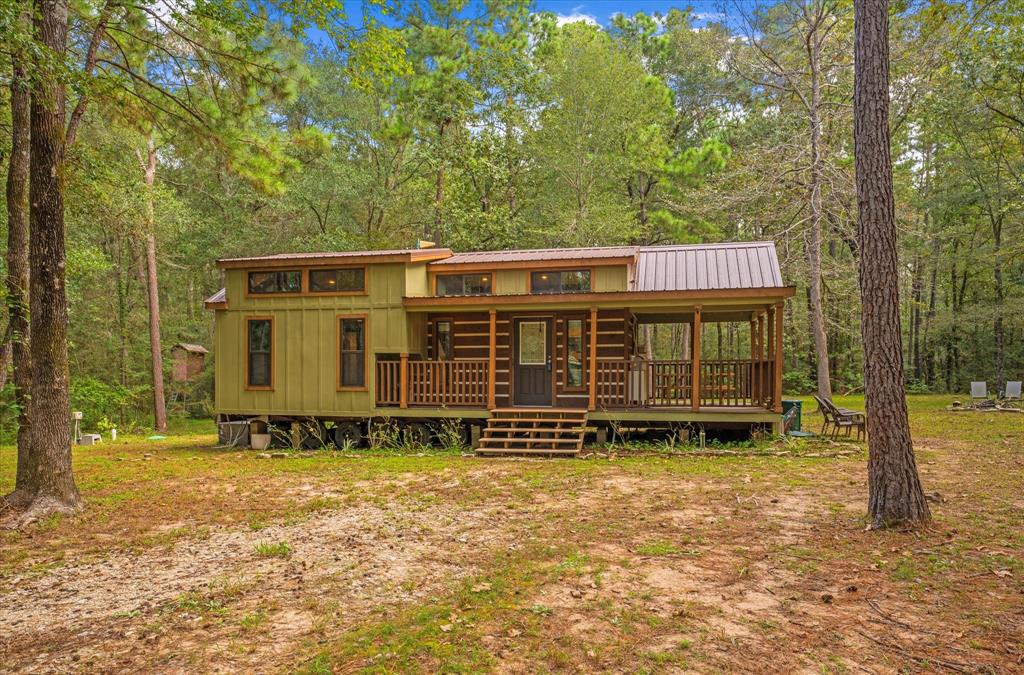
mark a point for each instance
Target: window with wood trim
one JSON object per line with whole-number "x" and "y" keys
{"x": 351, "y": 352}
{"x": 274, "y": 281}
{"x": 575, "y": 352}
{"x": 259, "y": 353}
{"x": 464, "y": 284}
{"x": 338, "y": 280}
{"x": 443, "y": 340}
{"x": 560, "y": 281}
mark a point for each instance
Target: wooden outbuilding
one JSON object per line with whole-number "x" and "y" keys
{"x": 541, "y": 346}
{"x": 187, "y": 361}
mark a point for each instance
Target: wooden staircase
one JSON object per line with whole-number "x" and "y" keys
{"x": 534, "y": 431}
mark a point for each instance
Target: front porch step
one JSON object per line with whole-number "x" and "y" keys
{"x": 534, "y": 431}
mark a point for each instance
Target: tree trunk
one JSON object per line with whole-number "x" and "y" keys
{"x": 153, "y": 296}
{"x": 817, "y": 214}
{"x": 916, "y": 285}
{"x": 997, "y": 328}
{"x": 439, "y": 185}
{"x": 894, "y": 487}
{"x": 18, "y": 271}
{"x": 52, "y": 480}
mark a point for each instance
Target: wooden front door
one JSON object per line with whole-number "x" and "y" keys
{"x": 532, "y": 361}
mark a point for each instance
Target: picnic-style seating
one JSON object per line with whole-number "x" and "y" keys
{"x": 841, "y": 418}
{"x": 1011, "y": 395}
{"x": 979, "y": 392}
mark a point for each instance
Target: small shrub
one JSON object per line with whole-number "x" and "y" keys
{"x": 384, "y": 434}
{"x": 279, "y": 549}
{"x": 451, "y": 434}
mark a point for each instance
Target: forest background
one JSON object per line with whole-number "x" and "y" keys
{"x": 215, "y": 131}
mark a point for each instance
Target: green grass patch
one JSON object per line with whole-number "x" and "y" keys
{"x": 279, "y": 549}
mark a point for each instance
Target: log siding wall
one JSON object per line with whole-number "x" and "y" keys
{"x": 470, "y": 340}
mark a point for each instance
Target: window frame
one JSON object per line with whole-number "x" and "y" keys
{"x": 438, "y": 275}
{"x": 339, "y": 361}
{"x": 309, "y": 286}
{"x": 561, "y": 286}
{"x": 249, "y": 293}
{"x": 248, "y": 353}
{"x": 582, "y": 318}
{"x": 437, "y": 333}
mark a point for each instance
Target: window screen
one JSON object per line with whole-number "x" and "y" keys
{"x": 565, "y": 281}
{"x": 444, "y": 340}
{"x": 574, "y": 353}
{"x": 352, "y": 357}
{"x": 260, "y": 350}
{"x": 344, "y": 280}
{"x": 464, "y": 284}
{"x": 289, "y": 281}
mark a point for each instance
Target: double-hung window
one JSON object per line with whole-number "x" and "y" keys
{"x": 351, "y": 352}
{"x": 259, "y": 353}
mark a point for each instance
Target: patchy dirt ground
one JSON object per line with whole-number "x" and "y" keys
{"x": 196, "y": 560}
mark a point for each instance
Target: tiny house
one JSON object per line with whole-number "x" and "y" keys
{"x": 528, "y": 350}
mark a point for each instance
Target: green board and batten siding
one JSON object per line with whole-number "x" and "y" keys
{"x": 305, "y": 343}
{"x": 608, "y": 278}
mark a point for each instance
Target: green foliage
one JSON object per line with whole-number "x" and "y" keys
{"x": 101, "y": 401}
{"x": 491, "y": 126}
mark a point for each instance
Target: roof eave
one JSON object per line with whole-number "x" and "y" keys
{"x": 763, "y": 295}
{"x": 270, "y": 262}
{"x": 548, "y": 263}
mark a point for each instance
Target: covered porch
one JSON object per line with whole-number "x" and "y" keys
{"x": 593, "y": 358}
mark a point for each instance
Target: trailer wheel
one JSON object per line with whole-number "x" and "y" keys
{"x": 348, "y": 434}
{"x": 417, "y": 433}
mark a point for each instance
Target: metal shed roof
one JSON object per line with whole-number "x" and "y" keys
{"x": 539, "y": 254}
{"x": 219, "y": 296}
{"x": 404, "y": 254}
{"x": 707, "y": 267}
{"x": 189, "y": 347}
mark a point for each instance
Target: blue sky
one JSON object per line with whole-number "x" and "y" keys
{"x": 602, "y": 10}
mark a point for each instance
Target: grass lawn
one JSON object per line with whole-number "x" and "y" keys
{"x": 192, "y": 558}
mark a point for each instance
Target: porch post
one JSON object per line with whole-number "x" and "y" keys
{"x": 695, "y": 361}
{"x": 761, "y": 357}
{"x": 754, "y": 385}
{"x": 778, "y": 357}
{"x": 403, "y": 381}
{"x": 592, "y": 369}
{"x": 492, "y": 358}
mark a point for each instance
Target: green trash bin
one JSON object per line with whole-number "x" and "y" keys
{"x": 796, "y": 406}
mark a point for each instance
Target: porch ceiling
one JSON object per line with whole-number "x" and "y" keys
{"x": 674, "y": 302}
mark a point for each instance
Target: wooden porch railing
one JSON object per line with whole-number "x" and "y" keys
{"x": 460, "y": 383}
{"x": 620, "y": 383}
{"x": 725, "y": 383}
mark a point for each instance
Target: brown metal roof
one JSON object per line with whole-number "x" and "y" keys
{"x": 279, "y": 259}
{"x": 540, "y": 254}
{"x": 219, "y": 296}
{"x": 189, "y": 347}
{"x": 707, "y": 267}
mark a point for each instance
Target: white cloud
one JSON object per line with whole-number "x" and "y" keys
{"x": 576, "y": 16}
{"x": 707, "y": 16}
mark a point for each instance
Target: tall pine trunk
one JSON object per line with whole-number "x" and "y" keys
{"x": 153, "y": 293}
{"x": 817, "y": 215}
{"x": 18, "y": 270}
{"x": 52, "y": 480}
{"x": 894, "y": 487}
